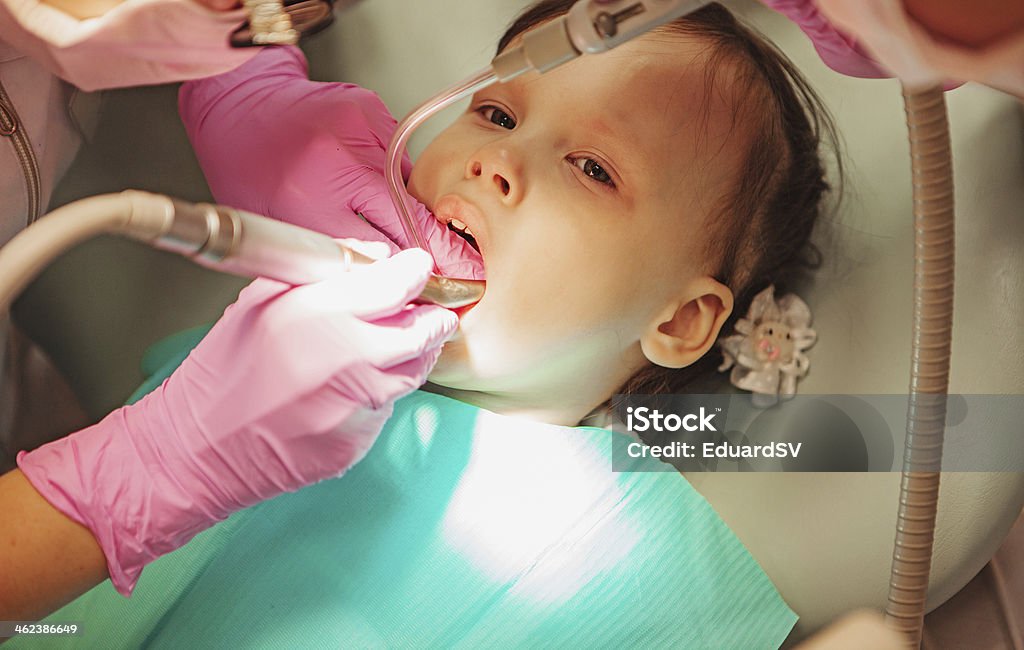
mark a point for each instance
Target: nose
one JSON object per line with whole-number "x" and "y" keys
{"x": 499, "y": 169}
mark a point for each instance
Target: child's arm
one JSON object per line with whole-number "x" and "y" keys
{"x": 273, "y": 142}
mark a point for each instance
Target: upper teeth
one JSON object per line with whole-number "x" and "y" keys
{"x": 461, "y": 227}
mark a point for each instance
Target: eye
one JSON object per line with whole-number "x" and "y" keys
{"x": 770, "y": 331}
{"x": 593, "y": 169}
{"x": 497, "y": 116}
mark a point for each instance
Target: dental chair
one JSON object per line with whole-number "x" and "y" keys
{"x": 825, "y": 539}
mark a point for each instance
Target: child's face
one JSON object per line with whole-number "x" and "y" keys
{"x": 586, "y": 189}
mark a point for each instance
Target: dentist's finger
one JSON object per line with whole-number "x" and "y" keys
{"x": 379, "y": 289}
{"x": 375, "y": 250}
{"x": 411, "y": 375}
{"x": 454, "y": 256}
{"x": 400, "y": 380}
{"x": 427, "y": 328}
{"x": 400, "y": 337}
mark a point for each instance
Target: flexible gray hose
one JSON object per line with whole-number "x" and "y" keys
{"x": 932, "y": 173}
{"x": 32, "y": 250}
{"x": 219, "y": 238}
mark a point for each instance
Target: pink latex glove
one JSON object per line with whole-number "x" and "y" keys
{"x": 920, "y": 57}
{"x": 138, "y": 42}
{"x": 290, "y": 387}
{"x": 838, "y": 50}
{"x": 880, "y": 38}
{"x": 273, "y": 142}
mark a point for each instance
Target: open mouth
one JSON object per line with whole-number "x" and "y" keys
{"x": 455, "y": 214}
{"x": 462, "y": 230}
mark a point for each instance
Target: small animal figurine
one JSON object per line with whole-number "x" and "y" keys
{"x": 767, "y": 352}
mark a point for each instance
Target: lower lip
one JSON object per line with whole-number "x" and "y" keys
{"x": 462, "y": 311}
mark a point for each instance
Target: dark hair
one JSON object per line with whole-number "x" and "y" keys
{"x": 761, "y": 233}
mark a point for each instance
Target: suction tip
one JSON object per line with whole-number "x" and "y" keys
{"x": 452, "y": 292}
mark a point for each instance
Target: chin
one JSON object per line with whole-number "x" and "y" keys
{"x": 455, "y": 369}
{"x": 451, "y": 368}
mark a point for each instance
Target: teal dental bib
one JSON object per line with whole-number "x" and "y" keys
{"x": 460, "y": 528}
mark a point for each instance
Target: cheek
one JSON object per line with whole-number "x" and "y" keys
{"x": 438, "y": 164}
{"x": 423, "y": 183}
{"x": 561, "y": 282}
{"x": 535, "y": 312}
{"x": 425, "y": 180}
{"x": 573, "y": 283}
{"x": 638, "y": 271}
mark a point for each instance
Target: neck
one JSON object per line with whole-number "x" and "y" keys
{"x": 563, "y": 412}
{"x": 562, "y": 392}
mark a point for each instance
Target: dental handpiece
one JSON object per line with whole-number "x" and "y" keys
{"x": 590, "y": 26}
{"x": 217, "y": 237}
{"x": 242, "y": 243}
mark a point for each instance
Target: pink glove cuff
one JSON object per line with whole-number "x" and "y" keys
{"x": 55, "y": 470}
{"x": 131, "y": 496}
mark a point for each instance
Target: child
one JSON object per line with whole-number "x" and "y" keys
{"x": 627, "y": 206}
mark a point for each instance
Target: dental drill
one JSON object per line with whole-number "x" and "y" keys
{"x": 219, "y": 238}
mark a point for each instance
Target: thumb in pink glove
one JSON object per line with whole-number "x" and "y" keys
{"x": 290, "y": 387}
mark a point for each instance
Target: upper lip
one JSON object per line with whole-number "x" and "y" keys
{"x": 453, "y": 206}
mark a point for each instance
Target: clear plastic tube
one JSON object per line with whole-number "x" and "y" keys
{"x": 419, "y": 115}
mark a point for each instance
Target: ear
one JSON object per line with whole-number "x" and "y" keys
{"x": 689, "y": 325}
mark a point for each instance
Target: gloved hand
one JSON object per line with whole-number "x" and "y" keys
{"x": 290, "y": 387}
{"x": 923, "y": 42}
{"x": 981, "y": 42}
{"x": 318, "y": 160}
{"x": 138, "y": 42}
